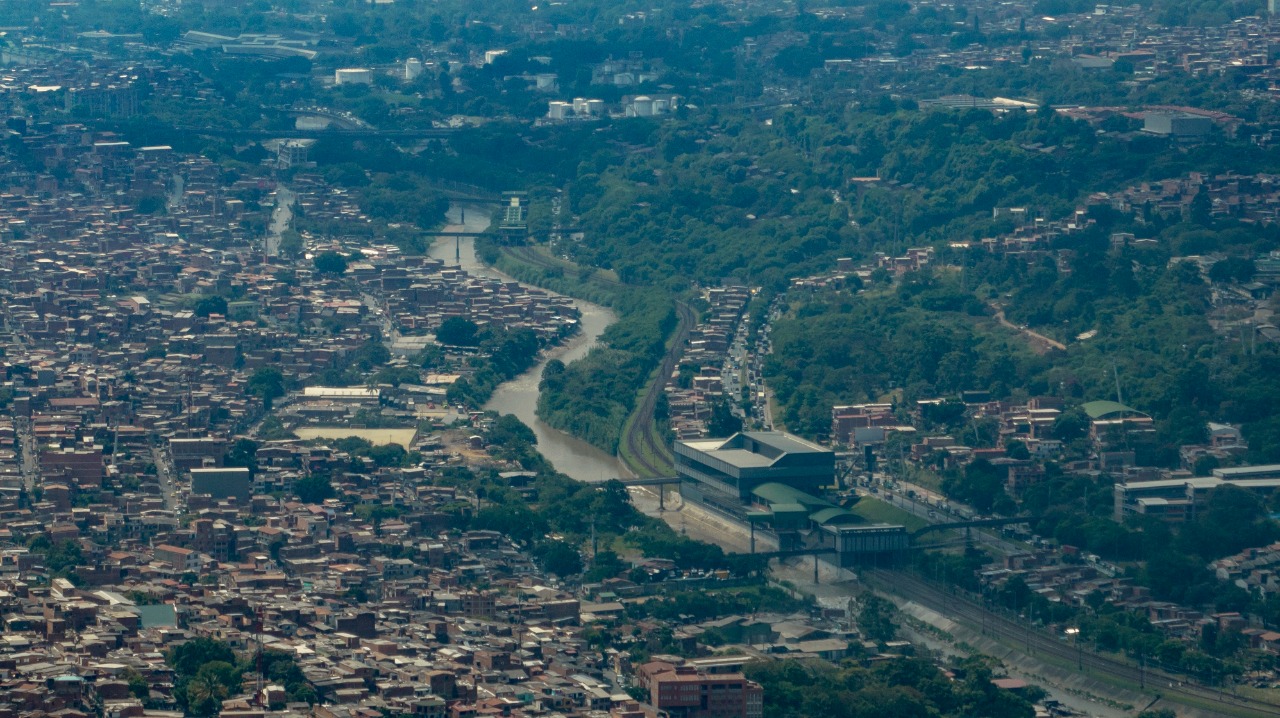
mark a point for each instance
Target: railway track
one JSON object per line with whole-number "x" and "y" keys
{"x": 642, "y": 439}
{"x": 640, "y": 435}
{"x": 1168, "y": 687}
{"x": 529, "y": 255}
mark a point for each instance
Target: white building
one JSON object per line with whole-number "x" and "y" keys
{"x": 353, "y": 76}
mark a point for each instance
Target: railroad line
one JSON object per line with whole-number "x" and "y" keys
{"x": 641, "y": 433}
{"x": 642, "y": 439}
{"x": 529, "y": 255}
{"x": 1168, "y": 687}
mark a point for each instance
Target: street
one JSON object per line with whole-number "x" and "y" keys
{"x": 164, "y": 476}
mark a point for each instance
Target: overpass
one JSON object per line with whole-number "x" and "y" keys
{"x": 658, "y": 481}
{"x": 974, "y": 523}
{"x": 791, "y": 553}
{"x": 423, "y": 133}
{"x": 461, "y": 233}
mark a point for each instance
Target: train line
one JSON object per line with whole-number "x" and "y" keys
{"x": 1170, "y": 688}
{"x": 531, "y": 256}
{"x": 641, "y": 438}
{"x": 641, "y": 432}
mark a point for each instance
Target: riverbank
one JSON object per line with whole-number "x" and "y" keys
{"x": 611, "y": 398}
{"x": 570, "y": 455}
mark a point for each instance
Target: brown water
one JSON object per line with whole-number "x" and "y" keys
{"x": 568, "y": 454}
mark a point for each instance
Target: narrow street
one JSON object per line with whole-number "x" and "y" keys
{"x": 30, "y": 459}
{"x": 164, "y": 476}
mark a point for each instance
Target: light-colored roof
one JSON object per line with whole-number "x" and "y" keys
{"x": 1243, "y": 472}
{"x": 742, "y": 458}
{"x": 345, "y": 391}
{"x": 785, "y": 442}
{"x": 1101, "y": 409}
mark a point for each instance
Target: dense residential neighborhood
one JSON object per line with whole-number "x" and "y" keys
{"x": 742, "y": 359}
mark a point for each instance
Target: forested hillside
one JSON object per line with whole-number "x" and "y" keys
{"x": 932, "y": 336}
{"x": 722, "y": 196}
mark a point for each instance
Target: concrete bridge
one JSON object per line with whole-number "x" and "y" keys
{"x": 976, "y": 522}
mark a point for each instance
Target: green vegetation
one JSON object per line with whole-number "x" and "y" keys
{"x": 708, "y": 605}
{"x": 592, "y": 397}
{"x": 722, "y": 196}
{"x": 901, "y": 688}
{"x": 59, "y": 559}
{"x": 877, "y": 511}
{"x": 1172, "y": 563}
{"x": 458, "y": 331}
{"x": 207, "y": 671}
{"x": 267, "y": 383}
{"x": 555, "y": 504}
{"x": 331, "y": 263}
{"x": 213, "y": 304}
{"x": 504, "y": 355}
{"x": 930, "y": 337}
{"x": 313, "y": 489}
{"x": 926, "y": 338}
{"x": 242, "y": 452}
{"x": 876, "y": 618}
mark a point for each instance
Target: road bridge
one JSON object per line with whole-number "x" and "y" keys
{"x": 791, "y": 553}
{"x": 423, "y": 133}
{"x": 974, "y": 523}
{"x": 463, "y": 233}
{"x": 658, "y": 481}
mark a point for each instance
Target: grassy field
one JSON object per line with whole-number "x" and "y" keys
{"x": 876, "y": 511}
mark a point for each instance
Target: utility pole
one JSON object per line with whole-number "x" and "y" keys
{"x": 1031, "y": 607}
{"x": 262, "y": 662}
{"x": 1116, "y": 372}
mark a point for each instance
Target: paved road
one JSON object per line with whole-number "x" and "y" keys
{"x": 164, "y": 476}
{"x": 927, "y": 505}
{"x": 281, "y": 217}
{"x": 30, "y": 457}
